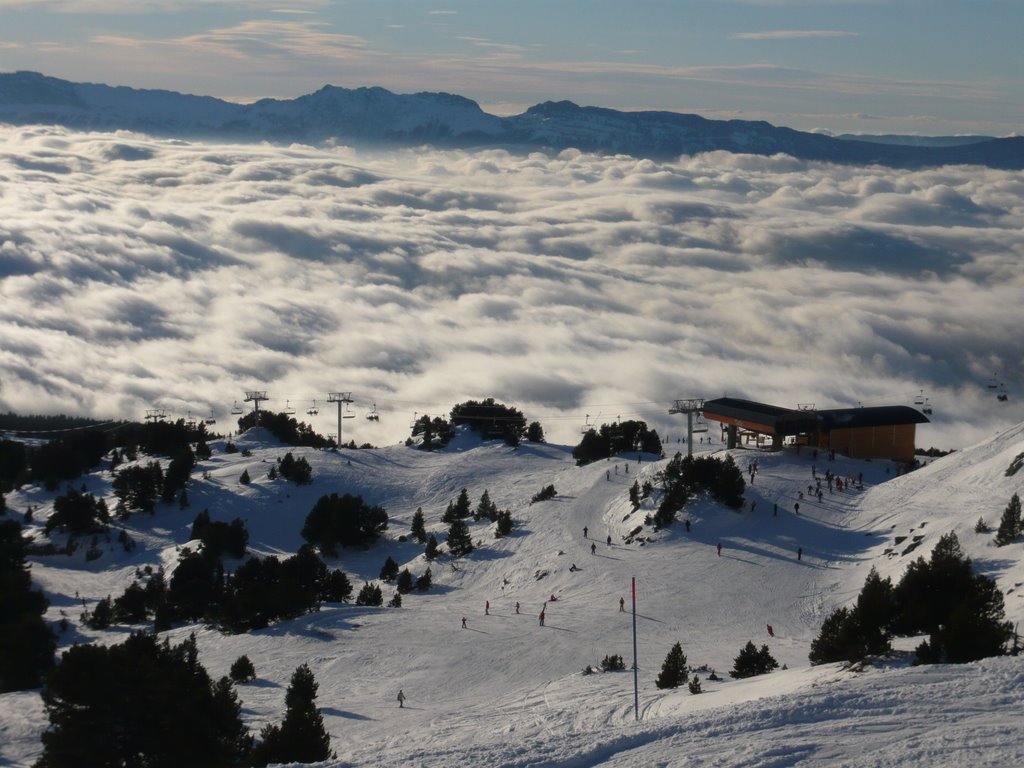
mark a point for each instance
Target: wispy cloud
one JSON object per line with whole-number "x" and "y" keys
{"x": 791, "y": 34}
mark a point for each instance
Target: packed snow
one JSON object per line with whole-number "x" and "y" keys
{"x": 505, "y": 691}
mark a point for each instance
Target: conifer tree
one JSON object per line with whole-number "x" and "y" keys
{"x": 504, "y": 526}
{"x": 418, "y": 530}
{"x": 673, "y": 671}
{"x": 1011, "y": 525}
{"x": 462, "y": 507}
{"x": 486, "y": 509}
{"x": 431, "y": 551}
{"x": 460, "y": 542}
{"x": 242, "y": 670}
{"x": 404, "y": 583}
{"x": 301, "y": 737}
{"x": 370, "y": 594}
{"x": 425, "y": 582}
{"x": 244, "y": 479}
{"x": 389, "y": 571}
{"x": 752, "y": 661}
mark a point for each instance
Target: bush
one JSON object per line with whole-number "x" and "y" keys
{"x": 694, "y": 686}
{"x": 545, "y": 493}
{"x": 242, "y": 670}
{"x": 612, "y": 663}
{"x": 504, "y": 524}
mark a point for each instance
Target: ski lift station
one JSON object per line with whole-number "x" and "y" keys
{"x": 884, "y": 432}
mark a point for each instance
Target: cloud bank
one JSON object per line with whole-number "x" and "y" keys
{"x": 137, "y": 274}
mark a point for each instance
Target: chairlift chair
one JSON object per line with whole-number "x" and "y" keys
{"x": 348, "y": 413}
{"x": 236, "y": 409}
{"x": 288, "y": 407}
{"x": 210, "y": 419}
{"x": 372, "y": 415}
{"x": 927, "y": 410}
{"x": 699, "y": 424}
{"x": 920, "y": 399}
{"x": 313, "y": 410}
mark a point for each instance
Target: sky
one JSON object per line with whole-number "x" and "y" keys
{"x": 140, "y": 273}
{"x": 929, "y": 67}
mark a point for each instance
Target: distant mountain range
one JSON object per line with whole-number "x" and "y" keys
{"x": 376, "y": 116}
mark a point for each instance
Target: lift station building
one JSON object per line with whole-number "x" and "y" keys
{"x": 885, "y": 432}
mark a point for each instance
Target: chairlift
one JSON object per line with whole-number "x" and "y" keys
{"x": 699, "y": 424}
{"x": 1002, "y": 397}
{"x": 190, "y": 423}
{"x": 927, "y": 410}
{"x": 589, "y": 425}
{"x": 348, "y": 413}
{"x": 415, "y": 421}
{"x": 210, "y": 420}
{"x": 313, "y": 410}
{"x": 372, "y": 414}
{"x": 288, "y": 407}
{"x": 236, "y": 409}
{"x": 920, "y": 399}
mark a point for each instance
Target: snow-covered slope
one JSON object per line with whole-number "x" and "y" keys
{"x": 506, "y": 691}
{"x": 378, "y": 116}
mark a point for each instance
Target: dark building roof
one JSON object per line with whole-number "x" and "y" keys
{"x": 783, "y": 421}
{"x": 787, "y": 421}
{"x": 881, "y": 416}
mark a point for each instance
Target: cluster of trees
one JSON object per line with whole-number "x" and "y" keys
{"x": 79, "y": 513}
{"x": 297, "y": 470}
{"x": 138, "y": 488}
{"x": 345, "y": 521}
{"x": 405, "y": 581}
{"x": 752, "y": 661}
{"x": 220, "y": 538}
{"x": 260, "y": 591}
{"x": 685, "y": 476}
{"x": 487, "y": 417}
{"x": 286, "y": 429}
{"x": 612, "y": 439}
{"x": 749, "y": 662}
{"x": 148, "y": 702}
{"x": 26, "y": 642}
{"x": 960, "y": 611}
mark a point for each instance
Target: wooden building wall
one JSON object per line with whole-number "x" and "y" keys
{"x": 890, "y": 441}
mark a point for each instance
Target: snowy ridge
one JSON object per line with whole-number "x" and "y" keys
{"x": 507, "y": 692}
{"x": 376, "y": 116}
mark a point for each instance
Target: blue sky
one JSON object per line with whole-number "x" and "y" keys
{"x": 909, "y": 66}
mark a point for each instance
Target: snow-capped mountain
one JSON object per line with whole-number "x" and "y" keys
{"x": 506, "y": 691}
{"x": 378, "y": 116}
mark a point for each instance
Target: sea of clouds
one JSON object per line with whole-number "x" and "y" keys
{"x": 138, "y": 273}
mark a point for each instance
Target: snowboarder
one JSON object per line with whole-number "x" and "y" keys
{"x": 799, "y": 553}
{"x": 401, "y": 699}
{"x": 771, "y": 631}
{"x": 517, "y": 606}
{"x": 622, "y": 605}
{"x": 593, "y": 549}
{"x": 464, "y": 622}
{"x": 487, "y": 608}
{"x": 719, "y": 549}
{"x": 585, "y": 529}
{"x": 542, "y": 617}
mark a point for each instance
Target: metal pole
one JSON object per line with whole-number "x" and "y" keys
{"x": 636, "y": 669}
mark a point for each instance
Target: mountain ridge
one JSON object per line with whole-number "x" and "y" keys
{"x": 375, "y": 116}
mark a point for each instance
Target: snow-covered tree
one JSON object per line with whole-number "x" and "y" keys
{"x": 673, "y": 672}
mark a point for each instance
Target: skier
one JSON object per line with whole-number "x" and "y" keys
{"x": 401, "y": 699}
{"x": 573, "y": 568}
{"x": 622, "y": 605}
{"x": 517, "y": 606}
{"x": 775, "y": 510}
{"x": 542, "y": 617}
{"x": 464, "y": 622}
{"x": 593, "y": 549}
{"x": 799, "y": 553}
{"x": 796, "y": 507}
{"x": 609, "y": 539}
{"x": 487, "y": 608}
{"x": 771, "y": 632}
{"x": 585, "y": 529}
{"x": 753, "y": 506}
{"x": 687, "y": 525}
{"x": 719, "y": 549}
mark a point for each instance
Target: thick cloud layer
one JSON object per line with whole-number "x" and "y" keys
{"x": 140, "y": 274}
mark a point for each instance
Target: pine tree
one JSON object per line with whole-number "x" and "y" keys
{"x": 418, "y": 530}
{"x": 396, "y": 600}
{"x": 425, "y": 582}
{"x": 431, "y": 551}
{"x": 486, "y": 509}
{"x": 242, "y": 670}
{"x": 1010, "y": 526}
{"x": 535, "y": 432}
{"x": 462, "y": 507}
{"x": 370, "y": 594}
{"x": 389, "y": 571}
{"x": 673, "y": 671}
{"x": 404, "y": 582}
{"x": 301, "y": 737}
{"x": 244, "y": 479}
{"x": 634, "y": 495}
{"x": 504, "y": 524}
{"x": 694, "y": 686}
{"x": 460, "y": 542}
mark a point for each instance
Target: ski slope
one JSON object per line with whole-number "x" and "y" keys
{"x": 505, "y": 691}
